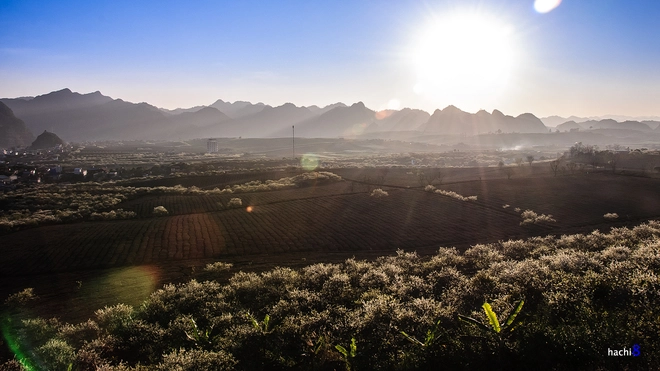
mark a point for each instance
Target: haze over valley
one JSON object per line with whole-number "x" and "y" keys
{"x": 329, "y": 185}
{"x": 77, "y": 117}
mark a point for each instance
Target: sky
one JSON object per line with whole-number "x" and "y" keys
{"x": 585, "y": 58}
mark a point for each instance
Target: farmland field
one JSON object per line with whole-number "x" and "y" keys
{"x": 327, "y": 222}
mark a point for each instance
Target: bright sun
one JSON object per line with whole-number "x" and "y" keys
{"x": 463, "y": 58}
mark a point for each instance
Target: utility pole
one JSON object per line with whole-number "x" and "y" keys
{"x": 293, "y": 138}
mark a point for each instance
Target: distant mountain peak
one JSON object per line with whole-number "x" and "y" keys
{"x": 451, "y": 108}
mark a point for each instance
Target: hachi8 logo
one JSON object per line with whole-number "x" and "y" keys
{"x": 625, "y": 352}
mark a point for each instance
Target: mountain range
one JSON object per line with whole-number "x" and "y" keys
{"x": 645, "y": 126}
{"x": 554, "y": 121}
{"x": 452, "y": 120}
{"x": 94, "y": 116}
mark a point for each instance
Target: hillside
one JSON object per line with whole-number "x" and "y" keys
{"x": 404, "y": 120}
{"x": 13, "y": 132}
{"x": 268, "y": 122}
{"x": 195, "y": 124}
{"x": 93, "y": 116}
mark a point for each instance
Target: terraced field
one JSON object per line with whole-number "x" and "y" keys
{"x": 406, "y": 219}
{"x": 317, "y": 223}
{"x": 188, "y": 204}
{"x": 573, "y": 200}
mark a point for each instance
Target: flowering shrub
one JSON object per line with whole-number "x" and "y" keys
{"x": 611, "y": 216}
{"x": 455, "y": 195}
{"x": 530, "y": 217}
{"x": 235, "y": 202}
{"x": 301, "y": 180}
{"x": 452, "y": 194}
{"x": 378, "y": 193}
{"x": 218, "y": 267}
{"x": 115, "y": 214}
{"x": 51, "y": 204}
{"x": 160, "y": 211}
{"x": 398, "y": 311}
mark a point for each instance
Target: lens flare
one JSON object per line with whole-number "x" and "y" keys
{"x": 309, "y": 161}
{"x": 130, "y": 285}
{"x": 546, "y": 6}
{"x": 383, "y": 114}
{"x": 13, "y": 345}
{"x": 355, "y": 130}
{"x": 394, "y": 104}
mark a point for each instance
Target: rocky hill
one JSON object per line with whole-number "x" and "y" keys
{"x": 46, "y": 140}
{"x": 13, "y": 132}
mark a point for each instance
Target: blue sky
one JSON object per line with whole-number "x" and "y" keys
{"x": 586, "y": 57}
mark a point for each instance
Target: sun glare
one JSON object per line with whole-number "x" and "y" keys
{"x": 461, "y": 57}
{"x": 545, "y": 6}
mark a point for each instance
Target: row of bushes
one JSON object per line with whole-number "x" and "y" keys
{"x": 583, "y": 295}
{"x": 452, "y": 194}
{"x": 51, "y": 204}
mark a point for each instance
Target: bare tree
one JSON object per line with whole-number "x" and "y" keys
{"x": 435, "y": 176}
{"x": 555, "y": 165}
{"x": 530, "y": 159}
{"x": 507, "y": 170}
{"x": 421, "y": 178}
{"x": 595, "y": 160}
{"x": 380, "y": 176}
{"x": 613, "y": 160}
{"x": 430, "y": 176}
{"x": 572, "y": 166}
{"x": 366, "y": 181}
{"x": 519, "y": 161}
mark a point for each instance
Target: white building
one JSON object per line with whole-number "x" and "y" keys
{"x": 212, "y": 146}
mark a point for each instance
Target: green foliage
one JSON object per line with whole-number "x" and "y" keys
{"x": 260, "y": 326}
{"x": 429, "y": 339}
{"x": 495, "y": 327}
{"x": 348, "y": 354}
